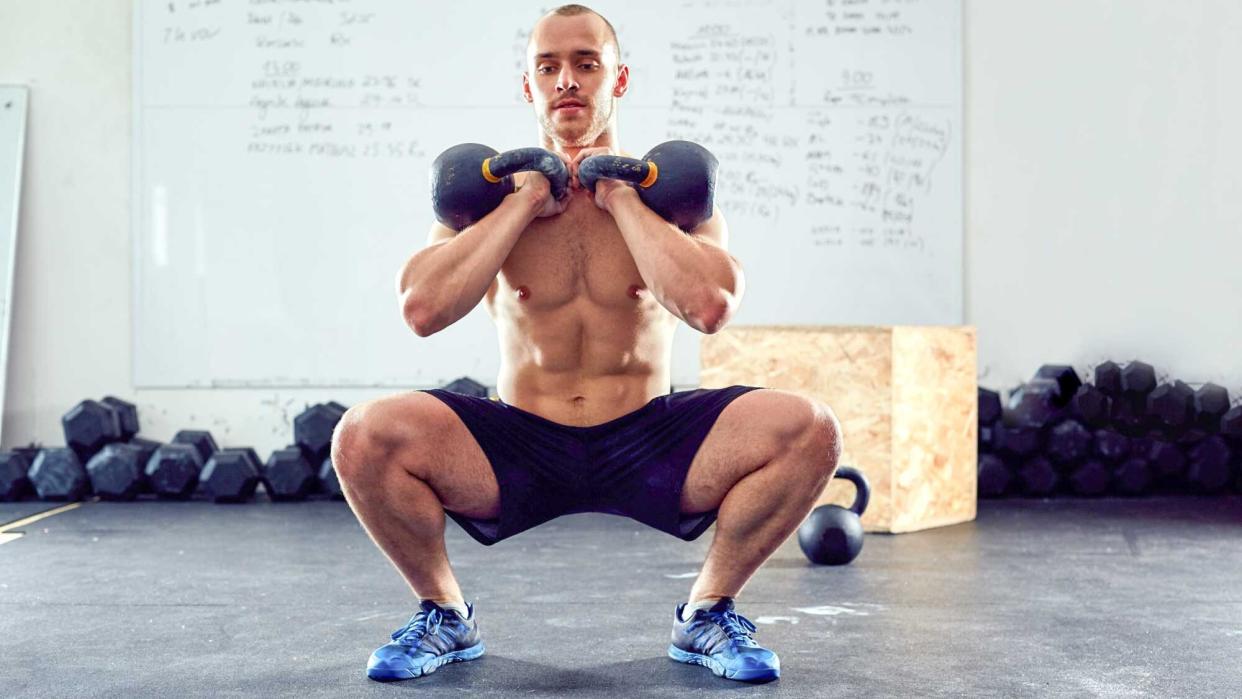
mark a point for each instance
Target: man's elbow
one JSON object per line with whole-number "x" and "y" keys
{"x": 712, "y": 315}
{"x": 419, "y": 317}
{"x": 421, "y": 325}
{"x": 716, "y": 310}
{"x": 422, "y": 329}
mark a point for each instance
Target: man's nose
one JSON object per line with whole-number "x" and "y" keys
{"x": 566, "y": 81}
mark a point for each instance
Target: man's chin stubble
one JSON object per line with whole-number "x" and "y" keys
{"x": 577, "y": 139}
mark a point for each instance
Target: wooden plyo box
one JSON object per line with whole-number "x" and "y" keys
{"x": 906, "y": 397}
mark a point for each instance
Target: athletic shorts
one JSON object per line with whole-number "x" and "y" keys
{"x": 634, "y": 466}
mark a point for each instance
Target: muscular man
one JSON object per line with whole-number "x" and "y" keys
{"x": 585, "y": 293}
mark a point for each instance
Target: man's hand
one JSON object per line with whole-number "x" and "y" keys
{"x": 536, "y": 186}
{"x": 604, "y": 187}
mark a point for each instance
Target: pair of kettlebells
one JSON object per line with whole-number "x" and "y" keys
{"x": 676, "y": 179}
{"x": 833, "y": 535}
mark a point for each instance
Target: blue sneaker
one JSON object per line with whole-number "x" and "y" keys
{"x": 720, "y": 639}
{"x": 432, "y": 637}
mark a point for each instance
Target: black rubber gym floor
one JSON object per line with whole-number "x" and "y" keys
{"x": 1056, "y": 598}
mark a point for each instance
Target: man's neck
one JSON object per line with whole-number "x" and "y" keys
{"x": 607, "y": 139}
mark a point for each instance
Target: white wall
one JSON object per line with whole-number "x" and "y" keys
{"x": 1103, "y": 204}
{"x": 1103, "y": 186}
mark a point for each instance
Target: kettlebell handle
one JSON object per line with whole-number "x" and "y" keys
{"x": 863, "y": 488}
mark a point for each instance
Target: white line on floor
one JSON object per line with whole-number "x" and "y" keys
{"x": 6, "y": 535}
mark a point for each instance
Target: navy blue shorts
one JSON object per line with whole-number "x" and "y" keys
{"x": 633, "y": 466}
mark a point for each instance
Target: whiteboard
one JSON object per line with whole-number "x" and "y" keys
{"x": 281, "y": 152}
{"x": 13, "y": 101}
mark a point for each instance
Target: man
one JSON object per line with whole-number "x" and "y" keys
{"x": 585, "y": 293}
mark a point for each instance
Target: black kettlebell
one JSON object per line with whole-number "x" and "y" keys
{"x": 469, "y": 180}
{"x": 833, "y": 535}
{"x": 676, "y": 179}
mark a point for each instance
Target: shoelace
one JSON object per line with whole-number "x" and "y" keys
{"x": 738, "y": 627}
{"x": 418, "y": 627}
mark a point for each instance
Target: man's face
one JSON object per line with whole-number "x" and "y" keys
{"x": 572, "y": 78}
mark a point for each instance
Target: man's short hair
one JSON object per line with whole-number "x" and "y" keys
{"x": 575, "y": 10}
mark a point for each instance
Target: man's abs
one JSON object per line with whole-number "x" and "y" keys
{"x": 582, "y": 340}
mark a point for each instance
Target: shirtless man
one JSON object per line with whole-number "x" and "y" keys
{"x": 585, "y": 293}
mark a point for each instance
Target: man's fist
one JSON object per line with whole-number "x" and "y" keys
{"x": 604, "y": 187}
{"x": 538, "y": 187}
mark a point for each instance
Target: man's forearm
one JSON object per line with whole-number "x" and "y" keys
{"x": 440, "y": 284}
{"x": 696, "y": 281}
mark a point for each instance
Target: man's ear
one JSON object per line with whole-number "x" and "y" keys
{"x": 526, "y": 87}
{"x": 623, "y": 81}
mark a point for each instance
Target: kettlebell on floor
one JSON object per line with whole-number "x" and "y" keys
{"x": 833, "y": 535}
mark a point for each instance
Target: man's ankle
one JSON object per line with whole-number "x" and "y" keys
{"x": 703, "y": 603}
{"x": 458, "y": 606}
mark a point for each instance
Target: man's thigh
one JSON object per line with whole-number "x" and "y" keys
{"x": 751, "y": 431}
{"x": 421, "y": 435}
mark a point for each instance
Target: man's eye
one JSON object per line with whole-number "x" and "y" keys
{"x": 588, "y": 65}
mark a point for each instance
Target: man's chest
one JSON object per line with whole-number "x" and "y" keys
{"x": 579, "y": 253}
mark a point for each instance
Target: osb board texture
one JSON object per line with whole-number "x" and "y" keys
{"x": 848, "y": 368}
{"x": 935, "y": 408}
{"x": 851, "y": 368}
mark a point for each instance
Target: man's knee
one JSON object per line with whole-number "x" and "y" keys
{"x": 827, "y": 430}
{"x": 375, "y": 436}
{"x": 818, "y": 435}
{"x": 349, "y": 440}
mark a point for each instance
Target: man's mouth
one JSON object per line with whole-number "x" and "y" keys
{"x": 569, "y": 104}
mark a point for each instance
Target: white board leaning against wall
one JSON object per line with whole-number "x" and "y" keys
{"x": 13, "y": 103}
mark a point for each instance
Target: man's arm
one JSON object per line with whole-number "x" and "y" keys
{"x": 442, "y": 282}
{"x": 693, "y": 276}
